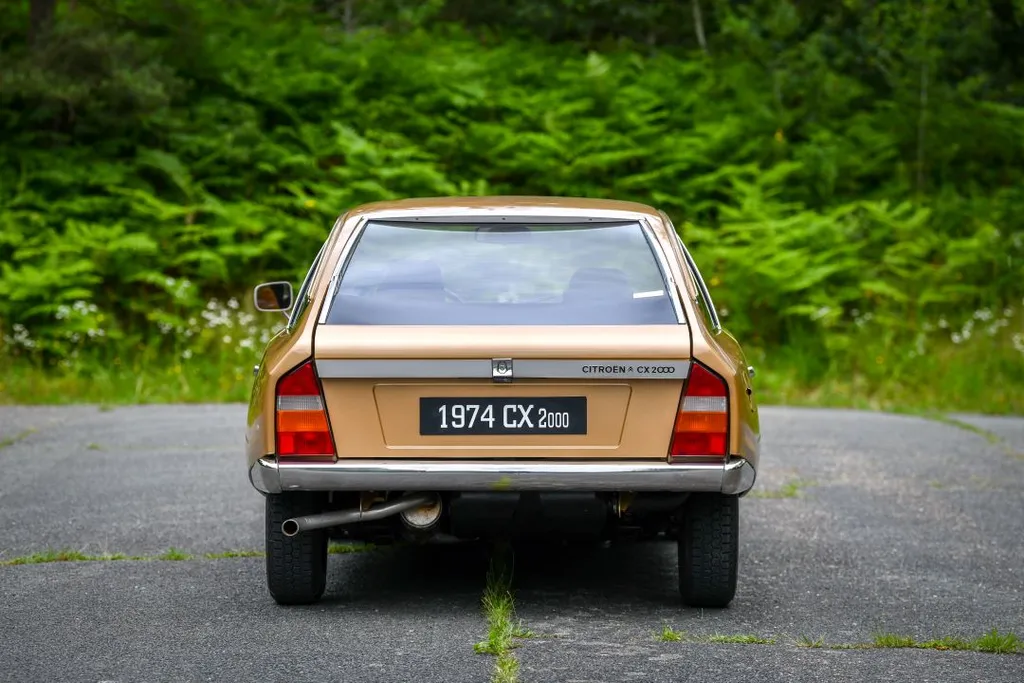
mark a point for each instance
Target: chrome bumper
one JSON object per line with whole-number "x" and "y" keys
{"x": 735, "y": 476}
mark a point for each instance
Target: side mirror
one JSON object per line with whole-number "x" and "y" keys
{"x": 273, "y": 296}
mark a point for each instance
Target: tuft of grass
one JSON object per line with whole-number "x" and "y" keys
{"x": 228, "y": 554}
{"x": 891, "y": 640}
{"x": 805, "y": 641}
{"x": 174, "y": 555}
{"x": 61, "y": 556}
{"x": 743, "y": 639}
{"x": 94, "y": 447}
{"x": 336, "y": 548}
{"x": 790, "y": 489}
{"x": 20, "y": 436}
{"x": 670, "y": 635}
{"x": 998, "y": 643}
{"x": 945, "y": 644}
{"x": 506, "y": 669}
{"x": 994, "y": 642}
{"x": 502, "y": 626}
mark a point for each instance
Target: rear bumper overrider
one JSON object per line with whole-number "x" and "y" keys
{"x": 734, "y": 476}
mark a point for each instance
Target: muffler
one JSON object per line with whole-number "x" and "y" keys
{"x": 295, "y": 525}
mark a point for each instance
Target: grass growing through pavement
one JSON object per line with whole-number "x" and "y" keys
{"x": 992, "y": 642}
{"x": 345, "y": 548}
{"x": 670, "y": 635}
{"x": 502, "y": 626}
{"x": 893, "y": 640}
{"x": 742, "y": 639}
{"x": 170, "y": 555}
{"x": 806, "y": 641}
{"x": 228, "y": 554}
{"x": 11, "y": 440}
{"x": 64, "y": 556}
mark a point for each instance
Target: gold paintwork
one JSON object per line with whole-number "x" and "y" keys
{"x": 628, "y": 419}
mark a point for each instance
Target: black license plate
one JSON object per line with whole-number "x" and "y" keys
{"x": 549, "y": 415}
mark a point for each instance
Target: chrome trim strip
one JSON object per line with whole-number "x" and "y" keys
{"x": 332, "y": 286}
{"x": 603, "y": 369}
{"x": 404, "y": 369}
{"x": 666, "y": 271}
{"x": 469, "y": 368}
{"x": 504, "y": 214}
{"x": 736, "y": 476}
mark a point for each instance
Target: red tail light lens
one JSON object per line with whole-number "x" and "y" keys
{"x": 302, "y": 428}
{"x": 702, "y": 423}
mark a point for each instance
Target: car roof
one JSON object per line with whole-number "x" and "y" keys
{"x": 512, "y": 205}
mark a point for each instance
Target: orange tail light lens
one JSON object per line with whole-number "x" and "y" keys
{"x": 302, "y": 429}
{"x": 702, "y": 423}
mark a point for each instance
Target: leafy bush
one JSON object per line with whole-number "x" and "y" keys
{"x": 157, "y": 154}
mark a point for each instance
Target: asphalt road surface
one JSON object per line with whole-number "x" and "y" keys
{"x": 881, "y": 523}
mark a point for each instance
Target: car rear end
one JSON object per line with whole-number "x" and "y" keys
{"x": 490, "y": 374}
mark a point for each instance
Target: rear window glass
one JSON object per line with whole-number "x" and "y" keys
{"x": 404, "y": 273}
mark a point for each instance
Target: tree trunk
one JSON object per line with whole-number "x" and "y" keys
{"x": 349, "y": 18}
{"x": 40, "y": 16}
{"x": 698, "y": 25}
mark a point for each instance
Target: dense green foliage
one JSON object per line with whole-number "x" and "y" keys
{"x": 850, "y": 175}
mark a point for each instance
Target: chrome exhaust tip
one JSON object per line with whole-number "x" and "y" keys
{"x": 296, "y": 525}
{"x": 425, "y": 517}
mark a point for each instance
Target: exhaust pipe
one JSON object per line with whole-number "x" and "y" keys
{"x": 296, "y": 525}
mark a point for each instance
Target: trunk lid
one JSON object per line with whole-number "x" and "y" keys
{"x": 561, "y": 392}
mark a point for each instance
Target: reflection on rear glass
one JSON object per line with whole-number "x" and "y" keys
{"x": 464, "y": 274}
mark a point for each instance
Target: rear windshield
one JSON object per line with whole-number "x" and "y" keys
{"x": 403, "y": 273}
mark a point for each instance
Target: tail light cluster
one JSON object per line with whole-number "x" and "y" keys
{"x": 302, "y": 429}
{"x": 702, "y": 423}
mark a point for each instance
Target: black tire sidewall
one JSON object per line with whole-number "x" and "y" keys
{"x": 709, "y": 550}
{"x": 296, "y": 565}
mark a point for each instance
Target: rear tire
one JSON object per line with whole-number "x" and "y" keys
{"x": 709, "y": 550}
{"x": 297, "y": 565}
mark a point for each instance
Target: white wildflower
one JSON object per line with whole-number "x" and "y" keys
{"x": 1018, "y": 342}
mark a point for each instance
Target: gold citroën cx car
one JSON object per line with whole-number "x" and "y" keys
{"x": 501, "y": 367}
